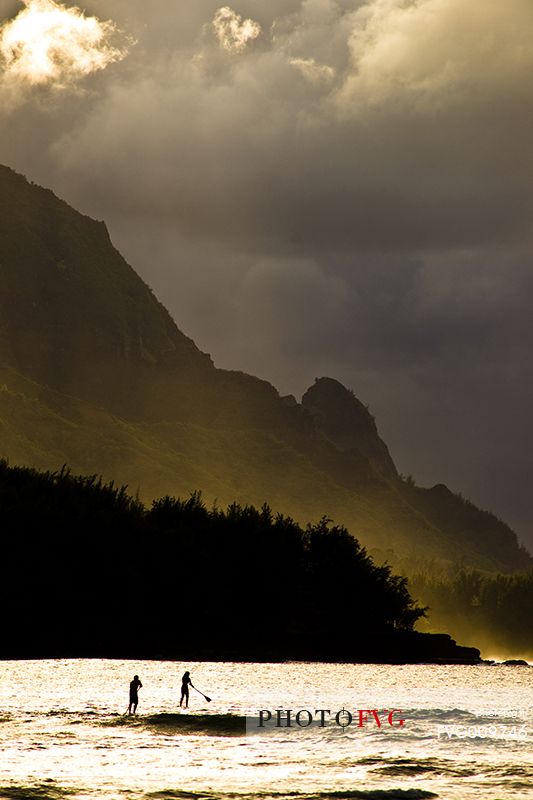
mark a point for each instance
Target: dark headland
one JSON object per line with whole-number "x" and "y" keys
{"x": 90, "y": 572}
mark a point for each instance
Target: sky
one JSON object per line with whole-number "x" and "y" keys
{"x": 313, "y": 187}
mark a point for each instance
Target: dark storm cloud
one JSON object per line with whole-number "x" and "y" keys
{"x": 345, "y": 192}
{"x": 400, "y": 147}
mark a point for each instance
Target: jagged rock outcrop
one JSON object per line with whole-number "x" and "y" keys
{"x": 348, "y": 423}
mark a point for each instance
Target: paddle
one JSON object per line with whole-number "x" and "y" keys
{"x": 203, "y": 695}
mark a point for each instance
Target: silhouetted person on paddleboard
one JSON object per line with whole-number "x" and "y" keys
{"x": 135, "y": 685}
{"x": 185, "y": 683}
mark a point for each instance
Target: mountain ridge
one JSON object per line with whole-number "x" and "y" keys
{"x": 107, "y": 383}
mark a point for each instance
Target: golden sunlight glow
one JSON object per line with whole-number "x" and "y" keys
{"x": 233, "y": 32}
{"x": 47, "y": 43}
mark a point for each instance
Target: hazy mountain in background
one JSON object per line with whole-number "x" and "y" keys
{"x": 95, "y": 374}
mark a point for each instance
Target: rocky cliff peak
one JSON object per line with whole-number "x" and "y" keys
{"x": 348, "y": 423}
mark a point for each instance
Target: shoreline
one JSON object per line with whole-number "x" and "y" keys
{"x": 392, "y": 647}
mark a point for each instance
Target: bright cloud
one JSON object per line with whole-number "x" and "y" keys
{"x": 50, "y": 44}
{"x": 313, "y": 72}
{"x": 438, "y": 52}
{"x": 234, "y": 33}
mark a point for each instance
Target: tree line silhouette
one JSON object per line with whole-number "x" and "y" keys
{"x": 89, "y": 570}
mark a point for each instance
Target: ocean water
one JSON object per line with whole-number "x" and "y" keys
{"x": 63, "y": 733}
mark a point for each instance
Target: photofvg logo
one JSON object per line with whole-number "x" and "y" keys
{"x": 284, "y": 719}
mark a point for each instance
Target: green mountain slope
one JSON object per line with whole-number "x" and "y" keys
{"x": 95, "y": 374}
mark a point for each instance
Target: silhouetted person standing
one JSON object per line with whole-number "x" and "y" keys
{"x": 185, "y": 683}
{"x": 135, "y": 685}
